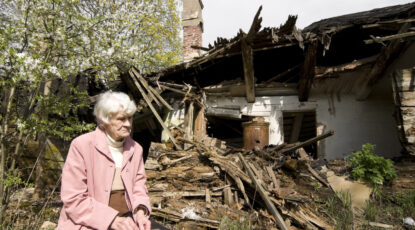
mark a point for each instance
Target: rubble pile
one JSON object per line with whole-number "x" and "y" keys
{"x": 269, "y": 188}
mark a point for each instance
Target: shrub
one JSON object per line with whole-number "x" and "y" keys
{"x": 368, "y": 166}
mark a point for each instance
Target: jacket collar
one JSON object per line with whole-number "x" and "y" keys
{"x": 101, "y": 144}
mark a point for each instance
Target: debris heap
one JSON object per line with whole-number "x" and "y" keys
{"x": 201, "y": 184}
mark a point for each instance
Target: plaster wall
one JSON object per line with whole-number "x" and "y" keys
{"x": 357, "y": 122}
{"x": 354, "y": 122}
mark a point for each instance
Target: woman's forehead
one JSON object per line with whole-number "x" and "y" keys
{"x": 121, "y": 113}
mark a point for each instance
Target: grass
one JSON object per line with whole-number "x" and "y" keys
{"x": 228, "y": 224}
{"x": 390, "y": 208}
{"x": 339, "y": 207}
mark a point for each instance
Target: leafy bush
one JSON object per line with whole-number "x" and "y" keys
{"x": 368, "y": 166}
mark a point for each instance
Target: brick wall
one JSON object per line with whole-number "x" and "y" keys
{"x": 192, "y": 36}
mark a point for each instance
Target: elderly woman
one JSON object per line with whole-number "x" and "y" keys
{"x": 103, "y": 179}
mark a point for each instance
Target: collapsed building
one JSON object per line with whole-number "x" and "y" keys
{"x": 351, "y": 74}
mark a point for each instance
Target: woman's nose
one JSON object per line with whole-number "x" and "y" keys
{"x": 128, "y": 122}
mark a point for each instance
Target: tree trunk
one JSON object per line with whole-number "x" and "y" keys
{"x": 3, "y": 152}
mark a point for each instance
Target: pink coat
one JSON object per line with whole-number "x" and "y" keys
{"x": 87, "y": 179}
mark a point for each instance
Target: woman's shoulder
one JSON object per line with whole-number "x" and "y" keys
{"x": 86, "y": 137}
{"x": 133, "y": 143}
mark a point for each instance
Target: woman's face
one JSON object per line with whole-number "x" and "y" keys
{"x": 119, "y": 126}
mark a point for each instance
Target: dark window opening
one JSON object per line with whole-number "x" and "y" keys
{"x": 300, "y": 126}
{"x": 226, "y": 129}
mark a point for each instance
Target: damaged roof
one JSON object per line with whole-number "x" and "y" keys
{"x": 279, "y": 53}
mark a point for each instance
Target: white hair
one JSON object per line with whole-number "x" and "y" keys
{"x": 110, "y": 103}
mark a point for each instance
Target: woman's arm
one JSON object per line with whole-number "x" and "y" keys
{"x": 140, "y": 197}
{"x": 81, "y": 208}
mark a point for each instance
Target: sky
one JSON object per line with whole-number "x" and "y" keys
{"x": 224, "y": 18}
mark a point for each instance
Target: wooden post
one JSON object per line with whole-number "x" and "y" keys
{"x": 200, "y": 125}
{"x": 248, "y": 57}
{"x": 307, "y": 75}
{"x": 188, "y": 122}
{"x": 248, "y": 65}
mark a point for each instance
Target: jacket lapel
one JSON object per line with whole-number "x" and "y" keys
{"x": 128, "y": 151}
{"x": 101, "y": 143}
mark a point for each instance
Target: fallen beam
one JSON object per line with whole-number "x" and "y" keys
{"x": 264, "y": 196}
{"x": 154, "y": 110}
{"x": 307, "y": 142}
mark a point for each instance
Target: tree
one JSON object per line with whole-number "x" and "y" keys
{"x": 42, "y": 40}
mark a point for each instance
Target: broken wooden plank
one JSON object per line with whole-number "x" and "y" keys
{"x": 227, "y": 196}
{"x": 380, "y": 225}
{"x": 173, "y": 89}
{"x": 264, "y": 196}
{"x": 255, "y": 26}
{"x": 308, "y": 72}
{"x": 390, "y": 37}
{"x": 330, "y": 71}
{"x": 382, "y": 23}
{"x": 285, "y": 73}
{"x": 157, "y": 97}
{"x": 166, "y": 162}
{"x": 154, "y": 91}
{"x": 154, "y": 111}
{"x": 200, "y": 124}
{"x": 188, "y": 123}
{"x": 248, "y": 67}
{"x": 207, "y": 195}
{"x": 305, "y": 143}
{"x": 315, "y": 174}
{"x": 248, "y": 57}
{"x": 273, "y": 178}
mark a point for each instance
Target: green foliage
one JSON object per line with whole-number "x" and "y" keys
{"x": 10, "y": 181}
{"x": 368, "y": 166}
{"x": 44, "y": 44}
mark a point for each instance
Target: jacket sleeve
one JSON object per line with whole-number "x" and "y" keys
{"x": 140, "y": 191}
{"x": 79, "y": 206}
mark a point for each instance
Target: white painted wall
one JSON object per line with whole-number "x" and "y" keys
{"x": 357, "y": 122}
{"x": 354, "y": 122}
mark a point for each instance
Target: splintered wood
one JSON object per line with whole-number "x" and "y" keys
{"x": 201, "y": 185}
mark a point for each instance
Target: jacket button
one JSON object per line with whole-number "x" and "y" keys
{"x": 126, "y": 170}
{"x": 106, "y": 190}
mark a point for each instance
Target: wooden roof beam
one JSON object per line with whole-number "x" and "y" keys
{"x": 382, "y": 23}
{"x": 255, "y": 27}
{"x": 391, "y": 37}
{"x": 248, "y": 65}
{"x": 385, "y": 58}
{"x": 307, "y": 75}
{"x": 248, "y": 57}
